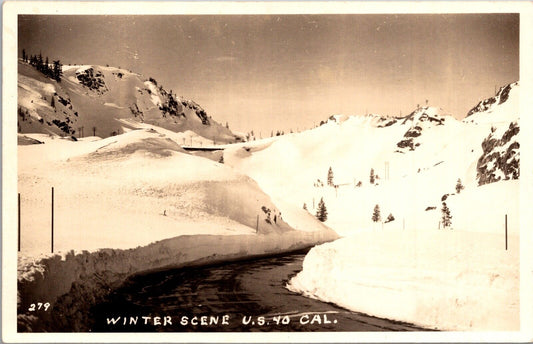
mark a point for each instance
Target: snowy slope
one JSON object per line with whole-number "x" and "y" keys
{"x": 131, "y": 203}
{"x": 144, "y": 182}
{"x": 413, "y": 180}
{"x": 95, "y": 98}
{"x": 503, "y": 107}
{"x": 445, "y": 150}
{"x": 289, "y": 168}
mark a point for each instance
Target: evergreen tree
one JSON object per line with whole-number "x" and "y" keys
{"x": 390, "y": 218}
{"x": 46, "y": 68}
{"x": 58, "y": 71}
{"x": 459, "y": 186}
{"x": 321, "y": 212}
{"x": 376, "y": 215}
{"x": 330, "y": 177}
{"x": 221, "y": 160}
{"x": 23, "y": 55}
{"x": 372, "y": 177}
{"x": 40, "y": 63}
{"x": 52, "y": 103}
{"x": 446, "y": 216}
{"x": 305, "y": 206}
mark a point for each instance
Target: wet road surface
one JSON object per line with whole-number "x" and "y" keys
{"x": 241, "y": 296}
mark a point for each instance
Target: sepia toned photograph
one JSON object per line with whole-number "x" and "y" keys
{"x": 335, "y": 172}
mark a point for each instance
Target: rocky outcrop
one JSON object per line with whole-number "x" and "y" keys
{"x": 421, "y": 118}
{"x": 487, "y": 104}
{"x": 501, "y": 156}
{"x": 92, "y": 80}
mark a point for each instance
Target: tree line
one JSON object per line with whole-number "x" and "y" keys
{"x": 53, "y": 71}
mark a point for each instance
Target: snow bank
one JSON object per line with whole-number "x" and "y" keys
{"x": 147, "y": 186}
{"x": 131, "y": 203}
{"x": 73, "y": 283}
{"x": 448, "y": 280}
{"x": 185, "y": 138}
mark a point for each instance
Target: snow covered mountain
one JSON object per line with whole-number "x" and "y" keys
{"x": 91, "y": 101}
{"x": 393, "y": 180}
{"x": 417, "y": 160}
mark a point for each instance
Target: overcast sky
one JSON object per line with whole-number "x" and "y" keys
{"x": 280, "y": 72}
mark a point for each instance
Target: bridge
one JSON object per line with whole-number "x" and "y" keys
{"x": 205, "y": 149}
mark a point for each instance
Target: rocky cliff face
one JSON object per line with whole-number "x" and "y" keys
{"x": 487, "y": 104}
{"x": 420, "y": 119}
{"x": 501, "y": 156}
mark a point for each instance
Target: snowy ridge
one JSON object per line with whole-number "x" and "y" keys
{"x": 420, "y": 120}
{"x": 427, "y": 114}
{"x": 497, "y": 108}
{"x": 91, "y": 100}
{"x": 375, "y": 120}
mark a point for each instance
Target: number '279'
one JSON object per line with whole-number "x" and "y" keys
{"x": 39, "y": 306}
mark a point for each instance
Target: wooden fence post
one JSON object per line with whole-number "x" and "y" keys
{"x": 52, "y": 234}
{"x": 19, "y": 222}
{"x": 506, "y": 232}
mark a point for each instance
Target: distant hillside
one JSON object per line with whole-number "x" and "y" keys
{"x": 94, "y": 100}
{"x": 408, "y": 165}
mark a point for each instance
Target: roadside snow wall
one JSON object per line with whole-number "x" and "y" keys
{"x": 72, "y": 284}
{"x": 442, "y": 279}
